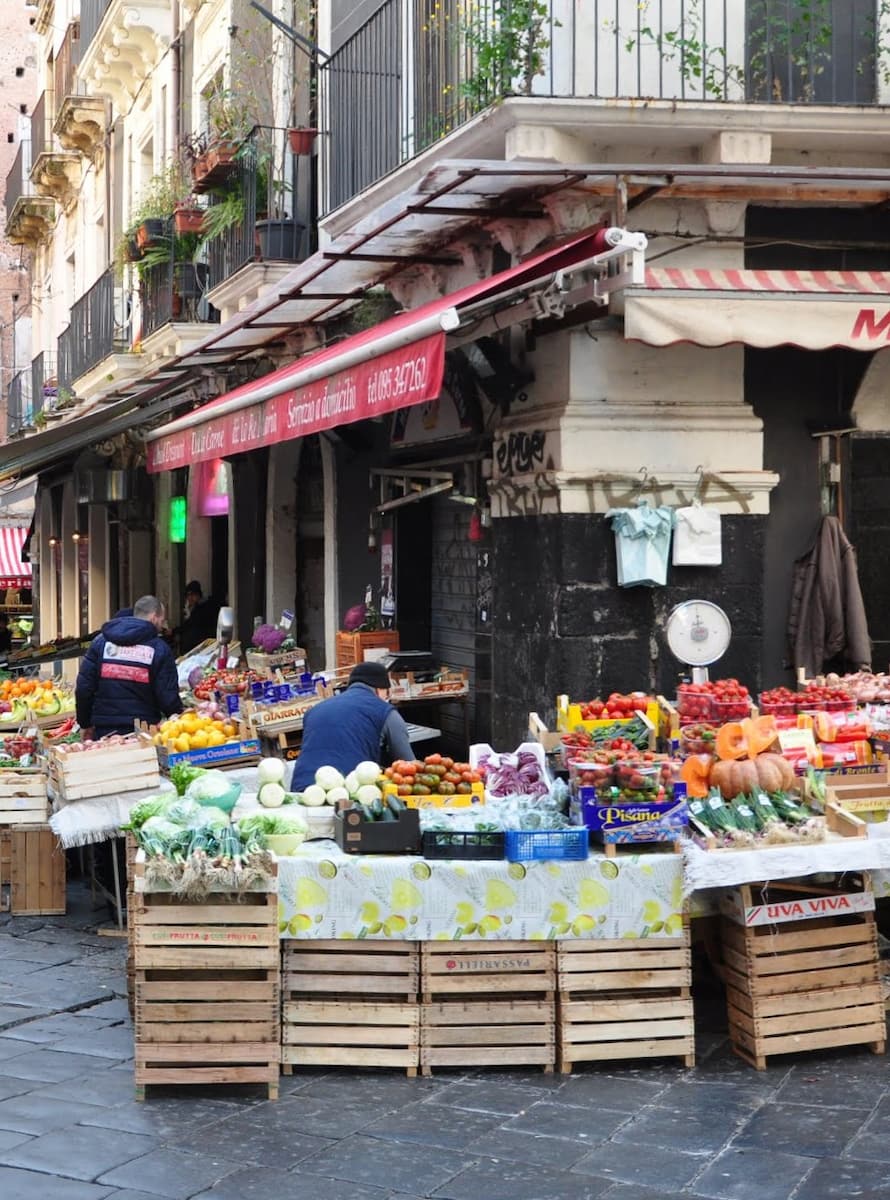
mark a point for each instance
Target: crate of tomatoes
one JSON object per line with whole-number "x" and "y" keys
{"x": 617, "y": 710}
{"x": 717, "y": 700}
{"x": 436, "y": 781}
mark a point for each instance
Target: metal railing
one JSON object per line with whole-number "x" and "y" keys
{"x": 43, "y": 393}
{"x": 41, "y": 126}
{"x": 175, "y": 291}
{"x": 98, "y": 326}
{"x": 91, "y": 14}
{"x": 18, "y": 405}
{"x": 65, "y": 69}
{"x": 413, "y": 72}
{"x": 18, "y": 183}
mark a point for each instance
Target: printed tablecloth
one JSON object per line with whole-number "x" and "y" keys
{"x": 324, "y": 893}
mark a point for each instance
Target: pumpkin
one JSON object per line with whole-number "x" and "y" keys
{"x": 734, "y": 777}
{"x": 774, "y": 773}
{"x": 730, "y": 742}
{"x": 759, "y": 734}
{"x": 695, "y": 773}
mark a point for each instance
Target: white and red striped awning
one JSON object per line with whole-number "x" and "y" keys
{"x": 717, "y": 307}
{"x": 13, "y": 572}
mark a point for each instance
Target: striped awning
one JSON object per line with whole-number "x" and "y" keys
{"x": 13, "y": 572}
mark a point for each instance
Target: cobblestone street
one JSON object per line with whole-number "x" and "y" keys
{"x": 808, "y": 1128}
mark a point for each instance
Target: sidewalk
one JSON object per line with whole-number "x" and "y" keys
{"x": 809, "y": 1128}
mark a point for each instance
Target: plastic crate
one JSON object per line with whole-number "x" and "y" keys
{"x": 528, "y": 845}
{"x": 470, "y": 844}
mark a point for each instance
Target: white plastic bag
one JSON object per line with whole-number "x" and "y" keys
{"x": 698, "y": 540}
{"x": 642, "y": 544}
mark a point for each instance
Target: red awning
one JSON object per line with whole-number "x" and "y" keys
{"x": 393, "y": 365}
{"x": 13, "y": 572}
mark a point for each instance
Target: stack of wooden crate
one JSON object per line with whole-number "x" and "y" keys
{"x": 207, "y": 987}
{"x": 627, "y": 998}
{"x": 800, "y": 964}
{"x": 350, "y": 1003}
{"x": 32, "y": 863}
{"x": 129, "y": 766}
{"x": 487, "y": 1005}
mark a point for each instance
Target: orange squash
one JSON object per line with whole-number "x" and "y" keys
{"x": 774, "y": 772}
{"x": 734, "y": 777}
{"x": 730, "y": 742}
{"x": 759, "y": 734}
{"x": 695, "y": 773}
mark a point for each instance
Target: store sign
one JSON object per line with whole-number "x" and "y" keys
{"x": 409, "y": 375}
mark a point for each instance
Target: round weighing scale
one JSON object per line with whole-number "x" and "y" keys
{"x": 698, "y": 633}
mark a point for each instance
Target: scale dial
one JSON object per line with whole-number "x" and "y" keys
{"x": 698, "y": 632}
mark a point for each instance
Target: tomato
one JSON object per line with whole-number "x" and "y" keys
{"x": 408, "y": 769}
{"x": 405, "y": 789}
{"x": 433, "y": 760}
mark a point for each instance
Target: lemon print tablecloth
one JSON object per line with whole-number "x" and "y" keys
{"x": 324, "y": 893}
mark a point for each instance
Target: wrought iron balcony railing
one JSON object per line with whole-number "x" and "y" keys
{"x": 99, "y": 326}
{"x": 65, "y": 69}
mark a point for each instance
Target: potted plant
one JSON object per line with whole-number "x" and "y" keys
{"x": 187, "y": 218}
{"x": 301, "y": 140}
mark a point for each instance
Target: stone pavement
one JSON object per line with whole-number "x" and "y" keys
{"x": 808, "y": 1128}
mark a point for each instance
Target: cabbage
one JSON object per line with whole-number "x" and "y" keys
{"x": 274, "y": 823}
{"x": 196, "y": 674}
{"x": 313, "y": 796}
{"x": 352, "y": 783}
{"x": 184, "y": 812}
{"x": 368, "y": 772}
{"x": 145, "y": 809}
{"x": 368, "y": 794}
{"x": 328, "y": 777}
{"x": 271, "y": 795}
{"x": 335, "y": 795}
{"x": 209, "y": 817}
{"x": 270, "y": 770}
{"x": 160, "y": 827}
{"x": 208, "y": 786}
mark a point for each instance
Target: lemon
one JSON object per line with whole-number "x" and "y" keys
{"x": 651, "y": 911}
{"x": 657, "y": 926}
{"x": 460, "y": 871}
{"x": 421, "y": 870}
{"x": 309, "y": 893}
{"x": 466, "y": 930}
{"x": 630, "y": 935}
{"x": 674, "y": 923}
{"x": 375, "y": 927}
{"x": 369, "y": 912}
{"x": 347, "y": 935}
{"x": 394, "y": 924}
{"x": 609, "y": 869}
{"x": 199, "y": 740}
{"x": 561, "y": 927}
{"x": 499, "y": 894}
{"x": 442, "y": 937}
{"x": 592, "y": 894}
{"x": 300, "y": 923}
{"x": 182, "y": 744}
{"x": 215, "y": 738}
{"x": 516, "y": 871}
{"x": 537, "y": 936}
{"x": 405, "y": 894}
{"x": 282, "y": 926}
{"x": 554, "y": 869}
{"x": 583, "y": 924}
{"x": 327, "y": 869}
{"x": 489, "y": 924}
{"x": 557, "y": 912}
{"x": 463, "y": 912}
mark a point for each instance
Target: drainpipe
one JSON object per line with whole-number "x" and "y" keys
{"x": 176, "y": 51}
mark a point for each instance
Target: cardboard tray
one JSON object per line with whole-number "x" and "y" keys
{"x": 355, "y": 836}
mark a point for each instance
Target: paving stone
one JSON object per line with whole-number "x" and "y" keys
{"x": 15, "y": 1087}
{"x": 520, "y": 1076}
{"x": 115, "y": 1042}
{"x": 114, "y": 1008}
{"x": 21, "y": 967}
{"x": 673, "y": 1127}
{"x": 802, "y": 1129}
{"x": 54, "y": 1029}
{"x": 841, "y": 1179}
{"x": 752, "y": 1174}
{"x": 510, "y": 1145}
{"x": 482, "y": 1096}
{"x": 428, "y": 1125}
{"x": 9, "y": 1048}
{"x": 502, "y": 1181}
{"x": 651, "y": 1166}
{"x": 101, "y": 1086}
{"x": 616, "y": 1092}
{"x": 375, "y": 1088}
{"x": 269, "y": 1184}
{"x": 327, "y": 1118}
{"x": 632, "y": 1191}
{"x": 164, "y": 1117}
{"x": 13, "y": 1014}
{"x": 49, "y": 1066}
{"x": 375, "y": 1163}
{"x": 832, "y": 1085}
{"x": 9, "y": 1138}
{"x": 29, "y": 1185}
{"x": 265, "y": 1142}
{"x": 170, "y": 1173}
{"x": 704, "y": 1098}
{"x": 77, "y": 1153}
{"x": 28, "y": 950}
{"x": 33, "y": 1113}
{"x": 549, "y": 1119}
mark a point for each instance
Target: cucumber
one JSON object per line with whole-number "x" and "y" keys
{"x": 388, "y": 814}
{"x": 367, "y": 815}
{"x": 394, "y": 803}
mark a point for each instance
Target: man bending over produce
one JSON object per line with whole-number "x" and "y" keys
{"x": 352, "y": 728}
{"x": 128, "y": 673}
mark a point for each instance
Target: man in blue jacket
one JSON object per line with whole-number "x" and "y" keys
{"x": 128, "y": 673}
{"x": 358, "y": 725}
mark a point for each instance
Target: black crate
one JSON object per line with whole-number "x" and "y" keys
{"x": 356, "y": 836}
{"x": 443, "y": 843}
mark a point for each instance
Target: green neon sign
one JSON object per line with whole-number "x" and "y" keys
{"x": 177, "y": 518}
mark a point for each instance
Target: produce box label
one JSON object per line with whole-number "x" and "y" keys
{"x": 215, "y": 754}
{"x": 637, "y": 818}
{"x": 487, "y": 965}
{"x": 806, "y": 909}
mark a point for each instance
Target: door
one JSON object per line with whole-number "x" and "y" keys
{"x": 311, "y": 553}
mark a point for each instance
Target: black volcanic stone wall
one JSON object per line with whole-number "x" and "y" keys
{"x": 562, "y": 624}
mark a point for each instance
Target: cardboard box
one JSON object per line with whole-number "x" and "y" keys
{"x": 755, "y": 904}
{"x": 357, "y": 836}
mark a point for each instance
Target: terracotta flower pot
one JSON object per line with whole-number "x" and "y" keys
{"x": 302, "y": 140}
{"x": 188, "y": 220}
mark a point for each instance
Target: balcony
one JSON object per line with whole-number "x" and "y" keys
{"x": 257, "y": 236}
{"x": 80, "y": 119}
{"x": 18, "y": 404}
{"x": 44, "y": 387}
{"x": 29, "y": 217}
{"x": 93, "y": 350}
{"x": 173, "y": 292}
{"x": 381, "y": 108}
{"x": 54, "y": 173}
{"x": 120, "y": 46}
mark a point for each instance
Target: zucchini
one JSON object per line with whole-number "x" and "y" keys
{"x": 367, "y": 815}
{"x": 394, "y": 803}
{"x": 388, "y": 814}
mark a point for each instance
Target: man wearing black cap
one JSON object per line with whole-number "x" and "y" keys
{"x": 358, "y": 725}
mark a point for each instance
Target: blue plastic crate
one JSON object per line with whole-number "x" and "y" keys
{"x": 527, "y": 845}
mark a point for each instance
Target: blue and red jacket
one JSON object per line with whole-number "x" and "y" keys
{"x": 128, "y": 674}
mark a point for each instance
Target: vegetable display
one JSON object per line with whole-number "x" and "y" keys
{"x": 196, "y": 729}
{"x": 754, "y": 818}
{"x": 436, "y": 775}
{"x": 268, "y": 638}
{"x": 617, "y": 705}
{"x": 519, "y": 774}
{"x": 634, "y": 733}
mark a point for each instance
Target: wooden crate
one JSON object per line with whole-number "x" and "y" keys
{"x": 106, "y": 772}
{"x": 350, "y": 1033}
{"x": 623, "y": 1025}
{"x": 207, "y": 1063}
{"x": 351, "y": 647}
{"x": 802, "y": 985}
{"x": 23, "y": 798}
{"x": 365, "y": 969}
{"x": 487, "y": 1033}
{"x": 499, "y": 969}
{"x": 625, "y": 998}
{"x": 224, "y": 932}
{"x": 32, "y": 871}
{"x": 237, "y": 1006}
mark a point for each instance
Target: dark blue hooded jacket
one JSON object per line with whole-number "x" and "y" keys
{"x": 128, "y": 674}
